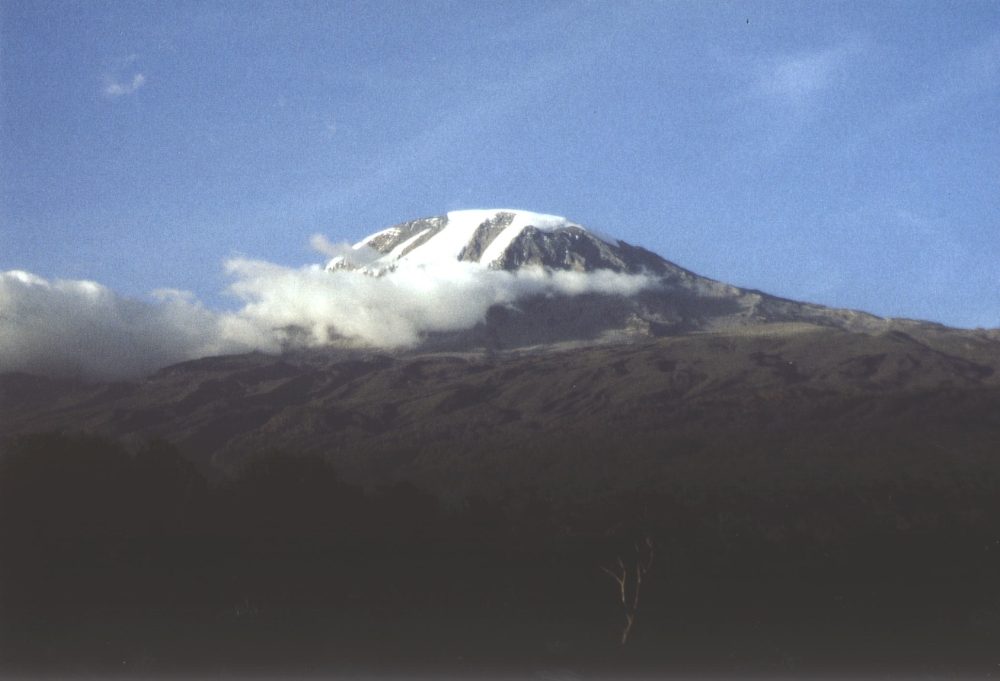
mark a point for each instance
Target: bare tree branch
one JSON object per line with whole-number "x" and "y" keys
{"x": 641, "y": 568}
{"x": 621, "y": 579}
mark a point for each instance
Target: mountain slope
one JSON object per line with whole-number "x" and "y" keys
{"x": 813, "y": 480}
{"x": 585, "y": 417}
{"x": 589, "y": 390}
{"x": 672, "y": 299}
{"x": 501, "y": 239}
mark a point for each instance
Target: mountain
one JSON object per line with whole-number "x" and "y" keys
{"x": 499, "y": 239}
{"x": 600, "y": 389}
{"x": 791, "y": 484}
{"x": 670, "y": 300}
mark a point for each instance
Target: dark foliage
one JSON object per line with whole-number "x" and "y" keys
{"x": 119, "y": 561}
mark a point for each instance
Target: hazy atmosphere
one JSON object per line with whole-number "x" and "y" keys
{"x": 165, "y": 166}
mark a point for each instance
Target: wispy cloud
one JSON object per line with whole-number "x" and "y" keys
{"x": 794, "y": 79}
{"x": 782, "y": 96}
{"x": 115, "y": 88}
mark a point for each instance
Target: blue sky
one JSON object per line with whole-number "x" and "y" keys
{"x": 841, "y": 153}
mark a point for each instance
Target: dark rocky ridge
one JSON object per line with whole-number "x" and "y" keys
{"x": 484, "y": 236}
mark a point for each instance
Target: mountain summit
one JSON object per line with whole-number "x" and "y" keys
{"x": 497, "y": 239}
{"x": 669, "y": 299}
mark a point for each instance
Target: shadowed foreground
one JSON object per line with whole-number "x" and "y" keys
{"x": 132, "y": 562}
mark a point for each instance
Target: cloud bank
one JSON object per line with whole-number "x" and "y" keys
{"x": 83, "y": 329}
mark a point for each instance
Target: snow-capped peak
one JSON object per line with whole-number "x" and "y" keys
{"x": 497, "y": 239}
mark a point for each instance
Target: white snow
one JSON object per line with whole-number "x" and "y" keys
{"x": 522, "y": 220}
{"x": 447, "y": 244}
{"x": 385, "y": 263}
{"x": 398, "y": 250}
{"x": 368, "y": 239}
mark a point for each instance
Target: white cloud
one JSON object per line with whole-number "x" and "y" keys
{"x": 323, "y": 245}
{"x": 800, "y": 76}
{"x": 360, "y": 254}
{"x": 114, "y": 88}
{"x": 80, "y": 328}
{"x": 397, "y": 309}
{"x": 796, "y": 78}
